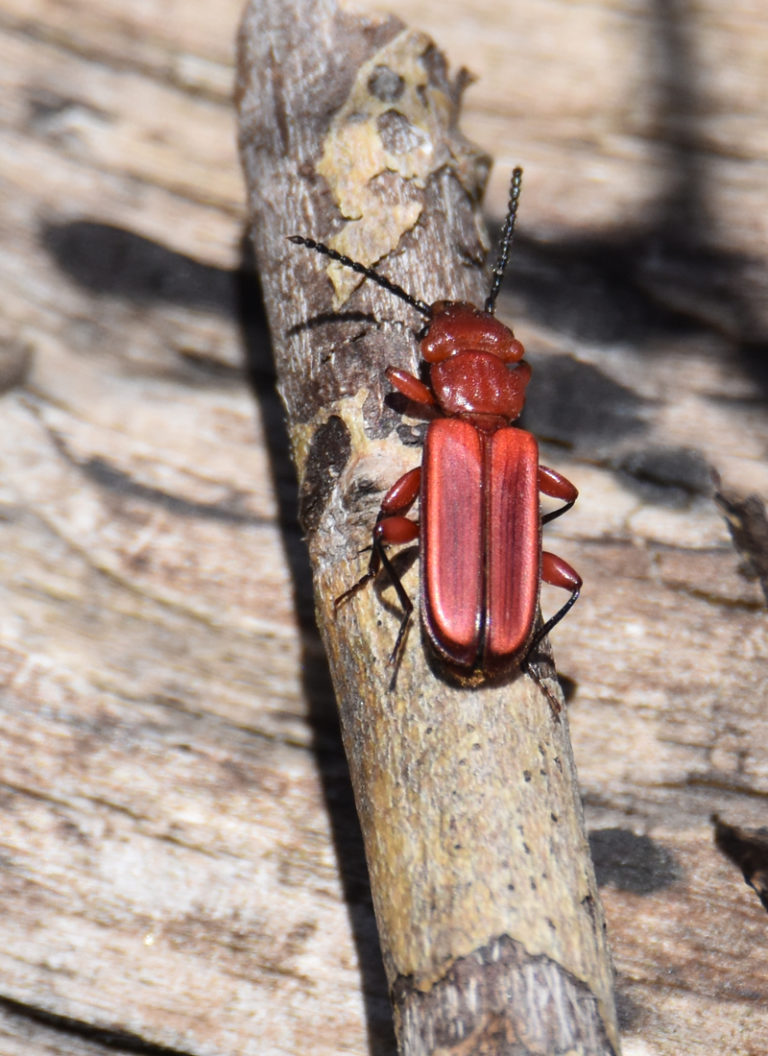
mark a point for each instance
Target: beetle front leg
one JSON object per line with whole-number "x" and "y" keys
{"x": 410, "y": 386}
{"x": 558, "y": 487}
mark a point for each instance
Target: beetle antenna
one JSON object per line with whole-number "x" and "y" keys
{"x": 505, "y": 241}
{"x": 368, "y": 273}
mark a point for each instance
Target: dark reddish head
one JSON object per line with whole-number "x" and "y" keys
{"x": 475, "y": 369}
{"x": 460, "y": 327}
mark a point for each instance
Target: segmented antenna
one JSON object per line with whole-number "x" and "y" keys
{"x": 368, "y": 273}
{"x": 505, "y": 241}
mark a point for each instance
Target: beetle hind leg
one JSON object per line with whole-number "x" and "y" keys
{"x": 388, "y": 530}
{"x": 557, "y": 573}
{"x": 392, "y": 528}
{"x": 405, "y": 603}
{"x": 342, "y": 599}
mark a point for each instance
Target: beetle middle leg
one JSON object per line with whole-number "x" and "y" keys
{"x": 557, "y": 486}
{"x": 392, "y": 528}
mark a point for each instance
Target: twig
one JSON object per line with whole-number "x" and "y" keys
{"x": 489, "y": 920}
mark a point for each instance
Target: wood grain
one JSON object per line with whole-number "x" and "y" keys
{"x": 181, "y": 862}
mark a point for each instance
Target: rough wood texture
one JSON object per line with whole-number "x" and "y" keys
{"x": 467, "y": 798}
{"x": 181, "y": 863}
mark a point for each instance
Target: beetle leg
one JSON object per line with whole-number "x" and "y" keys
{"x": 557, "y": 573}
{"x": 373, "y": 567}
{"x": 401, "y": 496}
{"x": 410, "y": 386}
{"x": 394, "y": 529}
{"x": 402, "y": 596}
{"x": 559, "y": 487}
{"x": 391, "y": 527}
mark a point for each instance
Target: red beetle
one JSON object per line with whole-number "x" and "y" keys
{"x": 478, "y": 486}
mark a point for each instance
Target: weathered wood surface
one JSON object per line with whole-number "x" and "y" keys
{"x": 180, "y": 857}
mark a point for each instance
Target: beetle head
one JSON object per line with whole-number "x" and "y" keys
{"x": 456, "y": 327}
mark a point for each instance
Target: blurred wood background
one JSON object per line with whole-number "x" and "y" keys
{"x": 180, "y": 864}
